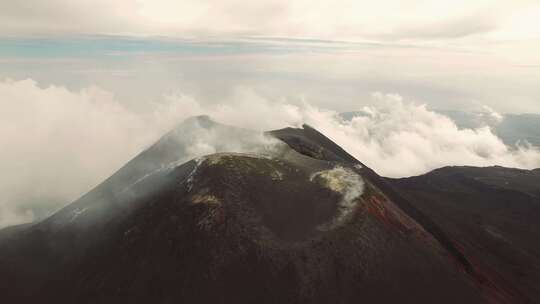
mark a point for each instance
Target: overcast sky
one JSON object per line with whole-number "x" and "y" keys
{"x": 448, "y": 54}
{"x": 334, "y": 20}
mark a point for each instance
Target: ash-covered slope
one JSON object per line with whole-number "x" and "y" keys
{"x": 493, "y": 214}
{"x": 306, "y": 223}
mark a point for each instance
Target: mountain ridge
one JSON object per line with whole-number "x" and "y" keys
{"x": 285, "y": 225}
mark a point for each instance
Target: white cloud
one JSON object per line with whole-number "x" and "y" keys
{"x": 394, "y": 137}
{"x": 398, "y": 139}
{"x": 55, "y": 144}
{"x": 336, "y": 19}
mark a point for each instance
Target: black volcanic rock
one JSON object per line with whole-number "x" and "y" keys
{"x": 305, "y": 224}
{"x": 493, "y": 214}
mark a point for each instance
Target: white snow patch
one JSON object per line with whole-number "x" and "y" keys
{"x": 191, "y": 175}
{"x": 77, "y": 212}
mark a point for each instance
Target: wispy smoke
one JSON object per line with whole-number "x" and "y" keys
{"x": 56, "y": 144}
{"x": 346, "y": 182}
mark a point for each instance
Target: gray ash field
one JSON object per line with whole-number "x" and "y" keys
{"x": 303, "y": 223}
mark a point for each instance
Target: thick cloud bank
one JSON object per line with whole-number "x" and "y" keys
{"x": 56, "y": 144}
{"x": 393, "y": 137}
{"x": 402, "y": 139}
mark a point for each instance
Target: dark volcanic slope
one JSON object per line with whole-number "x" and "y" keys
{"x": 310, "y": 224}
{"x": 493, "y": 213}
{"x": 246, "y": 229}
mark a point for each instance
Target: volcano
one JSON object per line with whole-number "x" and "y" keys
{"x": 302, "y": 222}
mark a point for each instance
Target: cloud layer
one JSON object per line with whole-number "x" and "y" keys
{"x": 55, "y": 144}
{"x": 394, "y": 19}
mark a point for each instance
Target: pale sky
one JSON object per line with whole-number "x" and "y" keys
{"x": 330, "y": 19}
{"x": 448, "y": 54}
